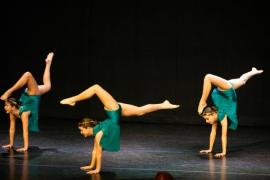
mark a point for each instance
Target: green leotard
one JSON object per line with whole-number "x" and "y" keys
{"x": 30, "y": 103}
{"x": 110, "y": 140}
{"x": 226, "y": 103}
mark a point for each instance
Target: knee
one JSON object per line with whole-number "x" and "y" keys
{"x": 96, "y": 86}
{"x": 49, "y": 87}
{"x": 207, "y": 77}
{"x": 243, "y": 81}
{"x": 140, "y": 112}
{"x": 28, "y": 74}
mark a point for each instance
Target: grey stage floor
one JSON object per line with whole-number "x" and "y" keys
{"x": 59, "y": 150}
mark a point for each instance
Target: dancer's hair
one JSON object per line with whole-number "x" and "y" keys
{"x": 209, "y": 110}
{"x": 162, "y": 175}
{"x": 87, "y": 122}
{"x": 13, "y": 102}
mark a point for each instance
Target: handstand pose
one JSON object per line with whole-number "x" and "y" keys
{"x": 28, "y": 106}
{"x": 107, "y": 133}
{"x": 225, "y": 100}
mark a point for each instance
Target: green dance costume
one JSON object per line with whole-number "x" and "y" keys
{"x": 30, "y": 103}
{"x": 110, "y": 140}
{"x": 226, "y": 103}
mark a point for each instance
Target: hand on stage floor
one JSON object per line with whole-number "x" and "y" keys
{"x": 93, "y": 172}
{"x": 220, "y": 155}
{"x": 86, "y": 168}
{"x": 205, "y": 151}
{"x": 21, "y": 149}
{"x": 8, "y": 146}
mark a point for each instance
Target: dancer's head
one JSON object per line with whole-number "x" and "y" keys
{"x": 11, "y": 105}
{"x": 86, "y": 126}
{"x": 210, "y": 115}
{"x": 162, "y": 175}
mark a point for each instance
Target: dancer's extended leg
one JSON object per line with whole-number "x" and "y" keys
{"x": 46, "y": 75}
{"x": 237, "y": 83}
{"x": 131, "y": 110}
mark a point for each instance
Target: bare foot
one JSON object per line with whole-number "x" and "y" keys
{"x": 256, "y": 71}
{"x": 167, "y": 105}
{"x": 5, "y": 96}
{"x": 201, "y": 106}
{"x": 49, "y": 57}
{"x": 68, "y": 101}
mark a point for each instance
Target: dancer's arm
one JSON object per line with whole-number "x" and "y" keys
{"x": 94, "y": 156}
{"x": 98, "y": 152}
{"x": 211, "y": 139}
{"x": 93, "y": 160}
{"x": 224, "y": 124}
{"x": 25, "y": 117}
{"x": 11, "y": 131}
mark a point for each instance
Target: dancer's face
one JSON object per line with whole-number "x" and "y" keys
{"x": 9, "y": 108}
{"x": 210, "y": 118}
{"x": 86, "y": 132}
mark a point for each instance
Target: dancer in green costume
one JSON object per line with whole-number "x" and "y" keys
{"x": 225, "y": 100}
{"x": 107, "y": 133}
{"x": 28, "y": 106}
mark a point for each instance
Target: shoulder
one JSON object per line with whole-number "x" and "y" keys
{"x": 224, "y": 121}
{"x": 98, "y": 136}
{"x": 25, "y": 114}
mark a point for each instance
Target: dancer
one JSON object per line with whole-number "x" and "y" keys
{"x": 225, "y": 101}
{"x": 27, "y": 109}
{"x": 107, "y": 133}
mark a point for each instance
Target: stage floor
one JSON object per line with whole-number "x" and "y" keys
{"x": 59, "y": 150}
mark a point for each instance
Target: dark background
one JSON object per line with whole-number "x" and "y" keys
{"x": 140, "y": 51}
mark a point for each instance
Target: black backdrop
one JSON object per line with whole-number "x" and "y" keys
{"x": 140, "y": 51}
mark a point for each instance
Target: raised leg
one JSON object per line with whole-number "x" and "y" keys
{"x": 210, "y": 80}
{"x": 108, "y": 101}
{"x": 131, "y": 110}
{"x": 26, "y": 79}
{"x": 237, "y": 83}
{"x": 46, "y": 75}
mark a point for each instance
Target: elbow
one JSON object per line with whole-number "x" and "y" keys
{"x": 99, "y": 154}
{"x": 11, "y": 130}
{"x": 98, "y": 151}
{"x": 213, "y": 133}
